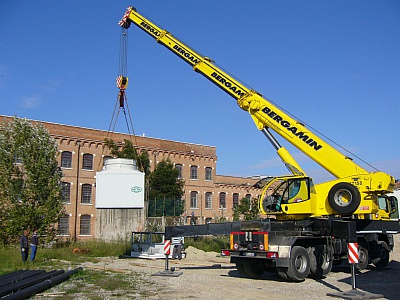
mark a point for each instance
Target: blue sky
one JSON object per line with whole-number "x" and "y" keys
{"x": 335, "y": 65}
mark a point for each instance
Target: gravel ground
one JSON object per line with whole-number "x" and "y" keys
{"x": 208, "y": 276}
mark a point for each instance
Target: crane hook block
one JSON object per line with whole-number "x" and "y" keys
{"x": 122, "y": 82}
{"x": 121, "y": 98}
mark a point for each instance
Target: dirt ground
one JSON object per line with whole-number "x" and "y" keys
{"x": 209, "y": 276}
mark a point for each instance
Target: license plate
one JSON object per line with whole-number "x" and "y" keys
{"x": 249, "y": 254}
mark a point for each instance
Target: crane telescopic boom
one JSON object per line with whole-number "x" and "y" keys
{"x": 355, "y": 190}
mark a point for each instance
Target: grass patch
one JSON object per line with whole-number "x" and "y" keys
{"x": 208, "y": 243}
{"x": 60, "y": 255}
{"x": 88, "y": 284}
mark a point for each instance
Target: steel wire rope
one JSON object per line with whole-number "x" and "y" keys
{"x": 109, "y": 130}
{"x": 122, "y": 100}
{"x": 123, "y": 65}
{"x": 301, "y": 121}
{"x": 326, "y": 137}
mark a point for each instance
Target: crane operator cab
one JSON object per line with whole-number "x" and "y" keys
{"x": 279, "y": 192}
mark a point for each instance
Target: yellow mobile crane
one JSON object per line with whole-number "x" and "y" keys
{"x": 345, "y": 207}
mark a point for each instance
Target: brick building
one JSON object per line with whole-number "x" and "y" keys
{"x": 82, "y": 154}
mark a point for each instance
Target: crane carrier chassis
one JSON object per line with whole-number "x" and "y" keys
{"x": 313, "y": 223}
{"x": 299, "y": 248}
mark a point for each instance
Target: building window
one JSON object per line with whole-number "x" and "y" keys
{"x": 86, "y": 196}
{"x": 179, "y": 168}
{"x": 66, "y": 159}
{"x": 208, "y": 173}
{"x": 66, "y": 191}
{"x": 208, "y": 200}
{"x": 235, "y": 199}
{"x": 248, "y": 196}
{"x": 222, "y": 200}
{"x": 193, "y": 172}
{"x": 193, "y": 199}
{"x": 85, "y": 225}
{"x": 87, "y": 161}
{"x": 63, "y": 225}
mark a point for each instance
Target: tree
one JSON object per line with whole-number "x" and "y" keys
{"x": 165, "y": 190}
{"x": 127, "y": 150}
{"x": 247, "y": 209}
{"x": 30, "y": 180}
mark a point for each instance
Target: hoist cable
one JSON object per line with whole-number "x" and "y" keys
{"x": 320, "y": 133}
{"x": 123, "y": 55}
{"x": 121, "y": 99}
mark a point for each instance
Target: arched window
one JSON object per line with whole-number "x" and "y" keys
{"x": 193, "y": 199}
{"x": 66, "y": 191}
{"x": 235, "y": 199}
{"x": 222, "y": 200}
{"x": 208, "y": 175}
{"x": 86, "y": 195}
{"x": 85, "y": 226}
{"x": 87, "y": 163}
{"x": 193, "y": 172}
{"x": 63, "y": 225}
{"x": 208, "y": 200}
{"x": 179, "y": 168}
{"x": 66, "y": 159}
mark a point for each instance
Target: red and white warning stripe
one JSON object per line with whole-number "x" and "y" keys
{"x": 126, "y": 15}
{"x": 167, "y": 247}
{"x": 122, "y": 82}
{"x": 353, "y": 253}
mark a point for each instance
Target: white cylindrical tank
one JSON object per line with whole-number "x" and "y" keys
{"x": 120, "y": 185}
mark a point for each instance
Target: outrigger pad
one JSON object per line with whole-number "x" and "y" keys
{"x": 355, "y": 294}
{"x": 168, "y": 273}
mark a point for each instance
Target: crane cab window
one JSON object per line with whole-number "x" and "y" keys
{"x": 293, "y": 191}
{"x": 287, "y": 191}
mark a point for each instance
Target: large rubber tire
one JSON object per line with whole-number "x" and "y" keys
{"x": 241, "y": 270}
{"x": 363, "y": 257}
{"x": 282, "y": 272}
{"x": 344, "y": 198}
{"x": 253, "y": 269}
{"x": 320, "y": 262}
{"x": 383, "y": 257}
{"x": 299, "y": 264}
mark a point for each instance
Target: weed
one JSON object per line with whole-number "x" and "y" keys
{"x": 208, "y": 243}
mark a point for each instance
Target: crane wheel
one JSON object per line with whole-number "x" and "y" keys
{"x": 241, "y": 270}
{"x": 252, "y": 269}
{"x": 320, "y": 261}
{"x": 383, "y": 256}
{"x": 299, "y": 264}
{"x": 344, "y": 198}
{"x": 363, "y": 256}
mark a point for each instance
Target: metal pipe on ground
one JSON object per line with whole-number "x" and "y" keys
{"x": 5, "y": 276}
{"x": 40, "y": 287}
{"x": 28, "y": 282}
{"x": 15, "y": 274}
{"x": 19, "y": 277}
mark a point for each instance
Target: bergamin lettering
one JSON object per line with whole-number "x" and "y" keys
{"x": 186, "y": 54}
{"x": 231, "y": 86}
{"x": 293, "y": 129}
{"x": 150, "y": 29}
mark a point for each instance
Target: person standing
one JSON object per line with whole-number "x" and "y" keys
{"x": 24, "y": 243}
{"x": 34, "y": 245}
